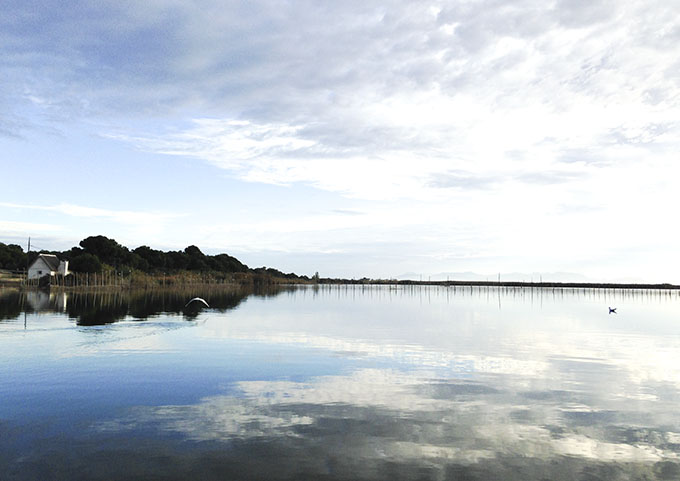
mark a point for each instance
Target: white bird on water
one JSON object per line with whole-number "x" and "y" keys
{"x": 197, "y": 299}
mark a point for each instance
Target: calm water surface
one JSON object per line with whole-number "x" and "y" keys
{"x": 341, "y": 383}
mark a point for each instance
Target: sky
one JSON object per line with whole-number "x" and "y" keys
{"x": 377, "y": 139}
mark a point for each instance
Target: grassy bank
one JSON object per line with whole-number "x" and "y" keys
{"x": 10, "y": 279}
{"x": 110, "y": 278}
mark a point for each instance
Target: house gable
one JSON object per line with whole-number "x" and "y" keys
{"x": 51, "y": 260}
{"x": 47, "y": 264}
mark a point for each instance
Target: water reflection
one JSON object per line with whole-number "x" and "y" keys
{"x": 362, "y": 424}
{"x": 353, "y": 383}
{"x": 11, "y": 304}
{"x": 100, "y": 307}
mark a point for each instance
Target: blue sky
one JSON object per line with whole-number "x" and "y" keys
{"x": 350, "y": 138}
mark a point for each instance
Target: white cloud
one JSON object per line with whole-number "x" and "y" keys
{"x": 497, "y": 97}
{"x": 12, "y": 228}
{"x": 524, "y": 128}
{"x": 119, "y": 216}
{"x": 77, "y": 221}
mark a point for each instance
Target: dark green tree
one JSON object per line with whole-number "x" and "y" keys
{"x": 12, "y": 257}
{"x": 193, "y": 251}
{"x": 226, "y": 263}
{"x": 138, "y": 262}
{"x": 107, "y": 250}
{"x": 154, "y": 258}
{"x": 94, "y": 251}
{"x": 196, "y": 259}
{"x": 85, "y": 263}
{"x": 177, "y": 260}
{"x": 71, "y": 253}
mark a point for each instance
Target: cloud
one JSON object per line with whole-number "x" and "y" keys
{"x": 11, "y": 128}
{"x": 635, "y": 133}
{"x": 319, "y": 62}
{"x": 473, "y": 110}
{"x": 349, "y": 79}
{"x": 464, "y": 180}
{"x": 467, "y": 180}
{"x": 120, "y": 216}
{"x": 12, "y": 228}
{"x": 347, "y": 212}
{"x": 448, "y": 90}
{"x": 78, "y": 221}
{"x": 549, "y": 177}
{"x": 583, "y": 13}
{"x": 230, "y": 144}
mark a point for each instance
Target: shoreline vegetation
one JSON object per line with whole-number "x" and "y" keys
{"x": 100, "y": 262}
{"x": 175, "y": 281}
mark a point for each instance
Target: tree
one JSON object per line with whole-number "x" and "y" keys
{"x": 226, "y": 263}
{"x": 72, "y": 253}
{"x": 12, "y": 257}
{"x": 196, "y": 259}
{"x": 107, "y": 250}
{"x": 138, "y": 262}
{"x": 177, "y": 260}
{"x": 155, "y": 260}
{"x": 193, "y": 251}
{"x": 85, "y": 263}
{"x": 96, "y": 252}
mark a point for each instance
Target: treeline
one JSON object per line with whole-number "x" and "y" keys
{"x": 99, "y": 253}
{"x": 12, "y": 257}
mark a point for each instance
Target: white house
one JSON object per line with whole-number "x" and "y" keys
{"x": 47, "y": 264}
{"x": 41, "y": 300}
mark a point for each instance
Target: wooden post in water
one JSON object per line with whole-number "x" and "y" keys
{"x": 27, "y": 258}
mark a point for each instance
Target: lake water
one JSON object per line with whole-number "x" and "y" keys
{"x": 392, "y": 383}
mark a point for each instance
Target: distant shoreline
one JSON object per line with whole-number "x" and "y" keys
{"x": 101, "y": 262}
{"x": 566, "y": 285}
{"x": 17, "y": 284}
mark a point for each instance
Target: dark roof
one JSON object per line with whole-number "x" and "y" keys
{"x": 51, "y": 260}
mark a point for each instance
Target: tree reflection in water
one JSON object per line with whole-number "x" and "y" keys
{"x": 106, "y": 306}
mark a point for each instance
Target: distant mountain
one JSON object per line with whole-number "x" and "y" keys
{"x": 508, "y": 276}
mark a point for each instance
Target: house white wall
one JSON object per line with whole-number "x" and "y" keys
{"x": 63, "y": 268}
{"x": 39, "y": 268}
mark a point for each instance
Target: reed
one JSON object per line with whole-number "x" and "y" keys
{"x": 135, "y": 279}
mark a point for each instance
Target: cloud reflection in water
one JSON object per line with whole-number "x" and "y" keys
{"x": 422, "y": 384}
{"x": 416, "y": 419}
